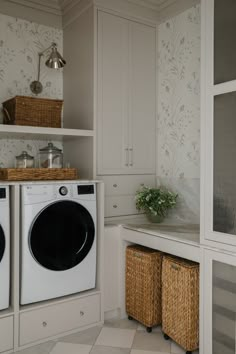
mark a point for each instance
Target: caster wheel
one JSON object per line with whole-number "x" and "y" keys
{"x": 149, "y": 329}
{"x": 130, "y": 318}
{"x": 188, "y": 352}
{"x": 166, "y": 337}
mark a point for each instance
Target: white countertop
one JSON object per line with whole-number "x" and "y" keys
{"x": 79, "y": 181}
{"x": 185, "y": 233}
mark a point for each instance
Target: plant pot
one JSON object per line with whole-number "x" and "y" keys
{"x": 155, "y": 218}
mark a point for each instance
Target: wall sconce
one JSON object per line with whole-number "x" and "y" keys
{"x": 55, "y": 61}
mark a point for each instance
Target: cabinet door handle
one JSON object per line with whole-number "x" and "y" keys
{"x": 131, "y": 157}
{"x": 126, "y": 157}
{"x": 81, "y": 313}
{"x": 45, "y": 324}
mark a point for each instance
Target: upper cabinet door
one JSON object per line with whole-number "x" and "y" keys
{"x": 112, "y": 94}
{"x": 224, "y": 41}
{"x": 142, "y": 97}
{"x": 219, "y": 122}
{"x": 126, "y": 96}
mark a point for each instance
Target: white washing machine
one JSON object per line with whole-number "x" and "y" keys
{"x": 58, "y": 250}
{"x": 4, "y": 247}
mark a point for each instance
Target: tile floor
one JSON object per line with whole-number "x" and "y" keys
{"x": 115, "y": 337}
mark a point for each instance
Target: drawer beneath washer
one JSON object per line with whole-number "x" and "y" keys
{"x": 52, "y": 320}
{"x": 6, "y": 333}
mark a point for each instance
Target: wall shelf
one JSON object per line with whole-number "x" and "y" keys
{"x": 15, "y": 131}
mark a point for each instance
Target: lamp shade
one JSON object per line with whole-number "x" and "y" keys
{"x": 55, "y": 60}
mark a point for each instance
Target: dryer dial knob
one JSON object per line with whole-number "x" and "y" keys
{"x": 63, "y": 190}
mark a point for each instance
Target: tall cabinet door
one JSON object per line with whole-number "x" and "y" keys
{"x": 126, "y": 96}
{"x": 219, "y": 309}
{"x": 142, "y": 97}
{"x": 219, "y": 122}
{"x": 112, "y": 127}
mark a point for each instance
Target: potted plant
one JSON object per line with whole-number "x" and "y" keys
{"x": 155, "y": 202}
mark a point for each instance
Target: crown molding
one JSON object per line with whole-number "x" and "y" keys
{"x": 51, "y": 6}
{"x": 175, "y": 8}
{"x": 54, "y": 12}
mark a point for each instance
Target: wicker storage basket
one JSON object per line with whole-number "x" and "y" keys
{"x": 40, "y": 112}
{"x": 143, "y": 285}
{"x": 37, "y": 174}
{"x": 180, "y": 301}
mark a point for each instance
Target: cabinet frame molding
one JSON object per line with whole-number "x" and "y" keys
{"x": 208, "y": 92}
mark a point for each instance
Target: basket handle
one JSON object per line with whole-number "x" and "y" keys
{"x": 7, "y": 115}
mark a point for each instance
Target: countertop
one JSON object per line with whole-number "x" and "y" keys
{"x": 186, "y": 233}
{"x": 79, "y": 181}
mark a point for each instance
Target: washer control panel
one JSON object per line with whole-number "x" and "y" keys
{"x": 3, "y": 193}
{"x": 85, "y": 189}
{"x": 63, "y": 190}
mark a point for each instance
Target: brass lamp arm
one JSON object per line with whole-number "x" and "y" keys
{"x": 40, "y": 54}
{"x": 55, "y": 61}
{"x": 53, "y": 45}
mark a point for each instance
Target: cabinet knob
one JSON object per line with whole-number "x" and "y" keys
{"x": 45, "y": 324}
{"x": 115, "y": 206}
{"x": 142, "y": 184}
{"x": 115, "y": 185}
{"x": 81, "y": 313}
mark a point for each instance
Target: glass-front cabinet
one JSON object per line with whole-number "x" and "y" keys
{"x": 219, "y": 121}
{"x": 219, "y": 309}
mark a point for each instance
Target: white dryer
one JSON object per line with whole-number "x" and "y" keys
{"x": 4, "y": 247}
{"x": 58, "y": 251}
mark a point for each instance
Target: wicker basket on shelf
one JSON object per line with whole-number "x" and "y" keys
{"x": 180, "y": 301}
{"x": 38, "y": 174}
{"x": 143, "y": 285}
{"x": 32, "y": 111}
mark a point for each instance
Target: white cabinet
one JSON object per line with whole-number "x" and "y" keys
{"x": 126, "y": 96}
{"x": 219, "y": 311}
{"x": 120, "y": 193}
{"x": 111, "y": 269}
{"x": 218, "y": 123}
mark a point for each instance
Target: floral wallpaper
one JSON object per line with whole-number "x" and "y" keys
{"x": 20, "y": 42}
{"x": 178, "y": 132}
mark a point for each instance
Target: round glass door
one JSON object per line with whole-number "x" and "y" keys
{"x": 2, "y": 243}
{"x": 61, "y": 235}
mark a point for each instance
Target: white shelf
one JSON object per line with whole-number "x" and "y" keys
{"x": 15, "y": 131}
{"x": 225, "y": 87}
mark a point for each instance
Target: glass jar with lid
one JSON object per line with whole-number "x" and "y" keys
{"x": 24, "y": 160}
{"x": 50, "y": 157}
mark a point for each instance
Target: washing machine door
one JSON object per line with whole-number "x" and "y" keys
{"x": 2, "y": 243}
{"x": 61, "y": 235}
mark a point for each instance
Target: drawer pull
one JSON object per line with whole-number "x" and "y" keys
{"x": 114, "y": 206}
{"x": 45, "y": 324}
{"x": 114, "y": 185}
{"x": 142, "y": 184}
{"x": 81, "y": 313}
{"x": 126, "y": 157}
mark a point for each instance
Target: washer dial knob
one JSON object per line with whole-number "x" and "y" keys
{"x": 63, "y": 190}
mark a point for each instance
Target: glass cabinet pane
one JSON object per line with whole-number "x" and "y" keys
{"x": 224, "y": 205}
{"x": 224, "y": 41}
{"x": 224, "y": 308}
